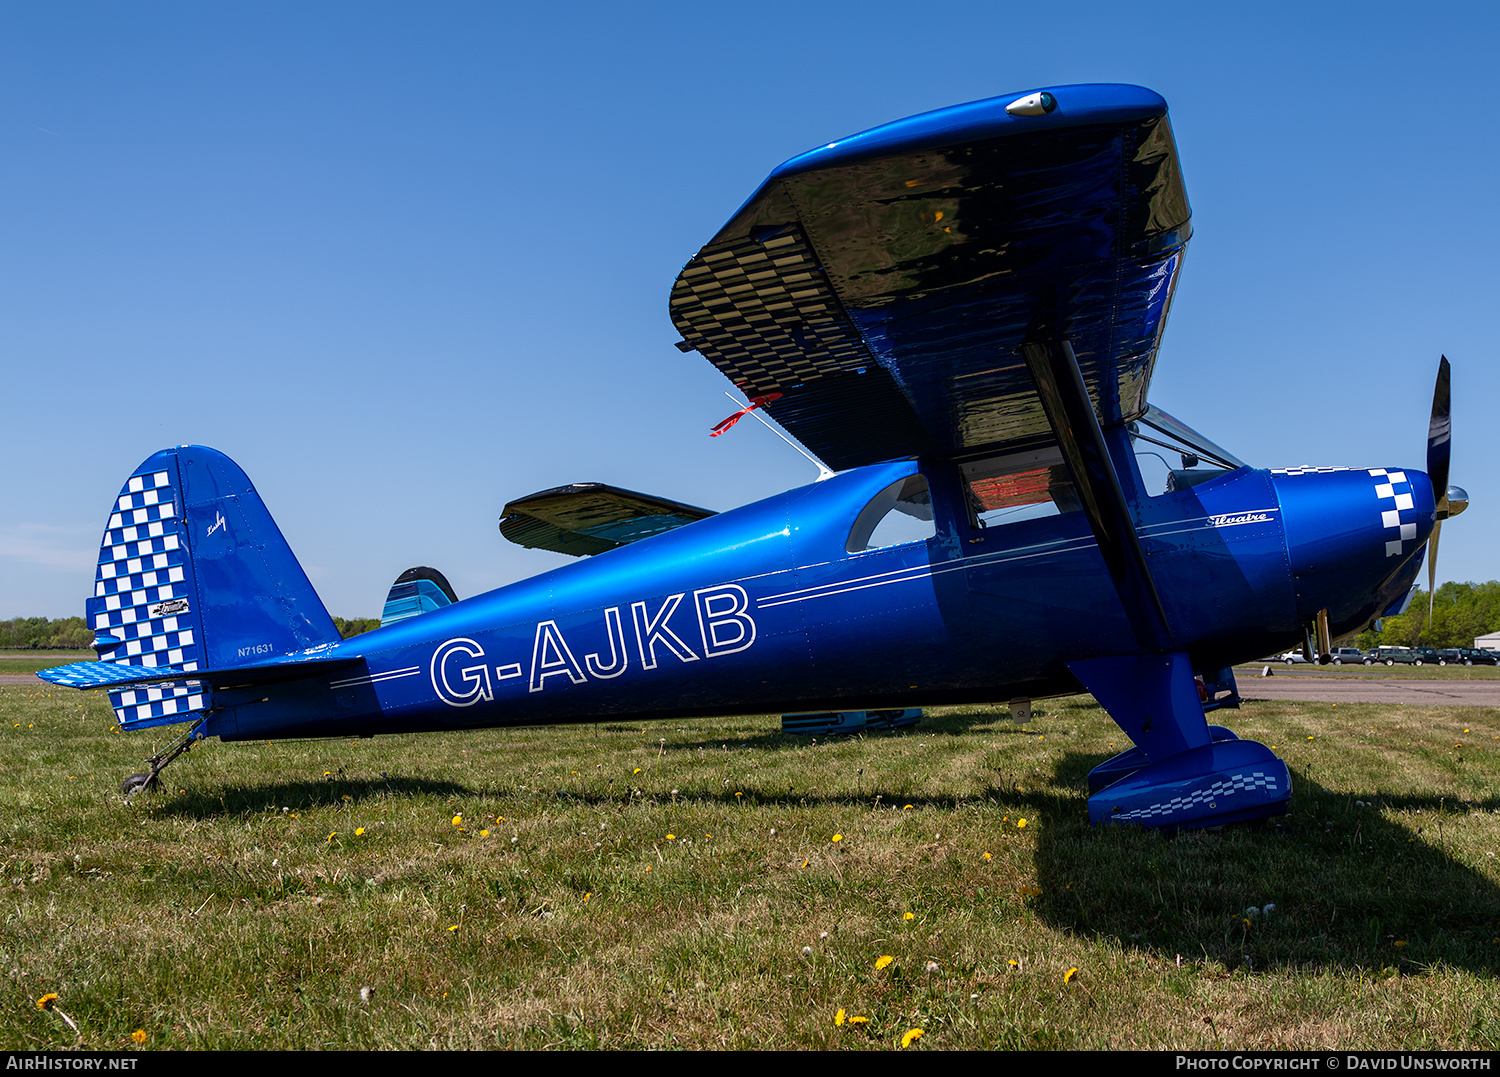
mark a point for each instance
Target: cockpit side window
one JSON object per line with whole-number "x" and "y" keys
{"x": 1022, "y": 486}
{"x": 900, "y": 513}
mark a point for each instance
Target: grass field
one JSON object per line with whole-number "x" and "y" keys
{"x": 712, "y": 883}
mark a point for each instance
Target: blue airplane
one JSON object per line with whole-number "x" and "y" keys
{"x": 958, "y": 314}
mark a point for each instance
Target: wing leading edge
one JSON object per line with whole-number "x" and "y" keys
{"x": 885, "y": 284}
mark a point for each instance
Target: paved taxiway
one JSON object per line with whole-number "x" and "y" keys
{"x": 1326, "y": 686}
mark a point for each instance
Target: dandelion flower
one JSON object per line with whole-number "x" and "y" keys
{"x": 458, "y": 820}
{"x": 46, "y": 1001}
{"x": 1400, "y": 942}
{"x": 637, "y": 770}
{"x": 453, "y": 927}
{"x": 139, "y": 1035}
{"x": 806, "y": 862}
{"x": 1070, "y": 974}
{"x": 906, "y": 807}
{"x": 838, "y": 1018}
{"x": 1020, "y": 822}
{"x": 359, "y": 832}
{"x": 859, "y": 1020}
{"x": 484, "y": 833}
{"x": 333, "y": 835}
{"x": 986, "y": 856}
{"x": 911, "y": 1037}
{"x": 883, "y": 960}
{"x": 671, "y": 837}
{"x": 1013, "y": 963}
{"x": 908, "y": 916}
{"x": 838, "y": 837}
{"x": 648, "y": 867}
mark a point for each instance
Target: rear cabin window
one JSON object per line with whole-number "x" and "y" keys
{"x": 900, "y": 513}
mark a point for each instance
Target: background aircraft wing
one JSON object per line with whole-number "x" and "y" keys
{"x": 591, "y": 517}
{"x": 885, "y": 283}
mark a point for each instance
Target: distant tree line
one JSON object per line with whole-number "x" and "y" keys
{"x": 40, "y": 634}
{"x": 72, "y": 634}
{"x": 1460, "y": 612}
{"x": 353, "y": 626}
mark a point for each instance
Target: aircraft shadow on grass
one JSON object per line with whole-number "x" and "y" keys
{"x": 1352, "y": 890}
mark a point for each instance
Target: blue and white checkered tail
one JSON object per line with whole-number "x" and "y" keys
{"x": 193, "y": 575}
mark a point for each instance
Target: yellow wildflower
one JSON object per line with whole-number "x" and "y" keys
{"x": 859, "y": 1020}
{"x": 908, "y": 916}
{"x": 453, "y": 927}
{"x": 484, "y": 833}
{"x": 986, "y": 856}
{"x": 46, "y": 1001}
{"x": 1020, "y": 822}
{"x": 458, "y": 820}
{"x": 911, "y": 1037}
{"x": 139, "y": 1035}
{"x": 883, "y": 960}
{"x": 671, "y": 837}
{"x": 359, "y": 832}
{"x": 838, "y": 1018}
{"x": 637, "y": 770}
{"x": 838, "y": 837}
{"x": 1068, "y": 976}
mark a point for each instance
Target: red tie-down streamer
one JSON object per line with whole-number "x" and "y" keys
{"x": 755, "y": 402}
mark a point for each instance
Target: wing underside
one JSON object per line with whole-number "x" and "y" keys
{"x": 886, "y": 284}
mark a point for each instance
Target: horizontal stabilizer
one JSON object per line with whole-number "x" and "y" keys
{"x": 109, "y": 675}
{"x": 589, "y": 517}
{"x": 417, "y": 590}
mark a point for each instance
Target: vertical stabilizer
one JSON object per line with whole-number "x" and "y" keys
{"x": 194, "y": 574}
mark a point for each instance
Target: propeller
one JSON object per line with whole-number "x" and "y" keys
{"x": 1449, "y": 500}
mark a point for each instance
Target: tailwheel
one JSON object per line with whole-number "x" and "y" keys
{"x": 158, "y": 762}
{"x": 135, "y": 783}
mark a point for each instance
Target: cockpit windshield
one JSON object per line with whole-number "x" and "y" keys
{"x": 1174, "y": 456}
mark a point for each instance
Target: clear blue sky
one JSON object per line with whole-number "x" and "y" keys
{"x": 405, "y": 262}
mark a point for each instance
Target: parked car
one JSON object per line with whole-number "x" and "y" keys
{"x": 1391, "y": 655}
{"x": 1291, "y": 658}
{"x": 1474, "y": 656}
{"x": 1344, "y": 656}
{"x": 1427, "y": 656}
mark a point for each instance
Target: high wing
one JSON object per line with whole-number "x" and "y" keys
{"x": 591, "y": 517}
{"x": 886, "y": 284}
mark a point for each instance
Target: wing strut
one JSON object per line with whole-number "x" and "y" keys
{"x": 1070, "y": 413}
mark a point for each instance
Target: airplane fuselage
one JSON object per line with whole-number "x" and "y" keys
{"x": 764, "y": 609}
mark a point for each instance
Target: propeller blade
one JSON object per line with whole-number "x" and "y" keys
{"x": 1432, "y": 542}
{"x": 1439, "y": 446}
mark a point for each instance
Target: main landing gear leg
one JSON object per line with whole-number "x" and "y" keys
{"x": 158, "y": 762}
{"x": 1182, "y": 773}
